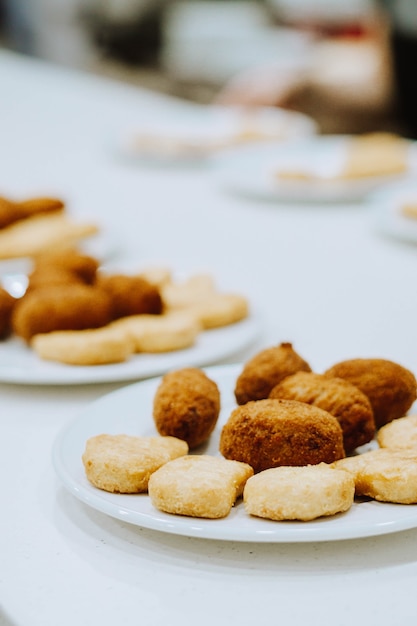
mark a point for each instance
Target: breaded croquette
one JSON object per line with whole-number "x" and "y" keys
{"x": 270, "y": 433}
{"x": 390, "y": 387}
{"x": 130, "y": 295}
{"x": 265, "y": 370}
{"x": 7, "y": 304}
{"x": 339, "y": 397}
{"x": 83, "y": 266}
{"x": 187, "y": 405}
{"x": 61, "y": 307}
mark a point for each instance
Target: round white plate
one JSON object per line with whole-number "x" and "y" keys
{"x": 203, "y": 131}
{"x": 388, "y": 219}
{"x": 252, "y": 171}
{"x": 20, "y": 364}
{"x": 129, "y": 410}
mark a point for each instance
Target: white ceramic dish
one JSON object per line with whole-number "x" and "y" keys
{"x": 129, "y": 410}
{"x": 386, "y": 211}
{"x": 252, "y": 171}
{"x": 204, "y": 131}
{"x": 20, "y": 364}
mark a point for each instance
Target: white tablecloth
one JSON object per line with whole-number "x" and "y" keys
{"x": 321, "y": 277}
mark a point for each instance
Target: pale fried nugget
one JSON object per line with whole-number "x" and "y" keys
{"x": 187, "y": 405}
{"x": 375, "y": 154}
{"x": 83, "y": 347}
{"x": 62, "y": 307}
{"x": 400, "y": 433}
{"x": 124, "y": 463}
{"x": 387, "y": 475}
{"x": 270, "y": 433}
{"x": 159, "y": 333}
{"x": 390, "y": 387}
{"x": 265, "y": 370}
{"x": 299, "y": 493}
{"x": 339, "y": 397}
{"x": 130, "y": 295}
{"x": 157, "y": 275}
{"x": 7, "y": 304}
{"x": 221, "y": 309}
{"x": 198, "y": 486}
{"x": 196, "y": 289}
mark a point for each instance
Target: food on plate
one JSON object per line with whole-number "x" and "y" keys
{"x": 7, "y": 304}
{"x": 198, "y": 486}
{"x": 187, "y": 405}
{"x": 82, "y": 266}
{"x": 400, "y": 433}
{"x": 299, "y": 493}
{"x": 62, "y": 307}
{"x": 270, "y": 433}
{"x": 130, "y": 295}
{"x": 124, "y": 463}
{"x": 409, "y": 210}
{"x": 158, "y": 333}
{"x": 12, "y": 211}
{"x": 265, "y": 370}
{"x": 390, "y": 387}
{"x": 387, "y": 475}
{"x": 339, "y": 397}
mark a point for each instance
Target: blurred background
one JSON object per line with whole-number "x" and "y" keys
{"x": 218, "y": 50}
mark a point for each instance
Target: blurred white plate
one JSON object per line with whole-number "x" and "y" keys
{"x": 252, "y": 171}
{"x": 203, "y": 131}
{"x": 129, "y": 410}
{"x": 388, "y": 218}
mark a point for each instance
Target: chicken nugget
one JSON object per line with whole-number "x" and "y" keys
{"x": 41, "y": 205}
{"x": 83, "y": 266}
{"x": 10, "y": 212}
{"x": 7, "y": 304}
{"x": 187, "y": 405}
{"x": 131, "y": 295}
{"x": 62, "y": 307}
{"x": 270, "y": 433}
{"x": 265, "y": 370}
{"x": 339, "y": 397}
{"x": 390, "y": 387}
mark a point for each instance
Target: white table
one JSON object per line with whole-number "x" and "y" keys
{"x": 321, "y": 277}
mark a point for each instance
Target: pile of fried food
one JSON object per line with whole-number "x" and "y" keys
{"x": 291, "y": 446}
{"x": 75, "y": 312}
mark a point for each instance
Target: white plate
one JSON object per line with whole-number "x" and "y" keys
{"x": 386, "y": 205}
{"x": 129, "y": 410}
{"x": 202, "y": 131}
{"x": 252, "y": 170}
{"x": 20, "y": 364}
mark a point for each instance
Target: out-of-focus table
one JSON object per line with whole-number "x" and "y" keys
{"x": 321, "y": 277}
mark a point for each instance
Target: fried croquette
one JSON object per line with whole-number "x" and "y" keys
{"x": 390, "y": 387}
{"x": 265, "y": 370}
{"x": 62, "y": 307}
{"x": 131, "y": 295}
{"x": 7, "y": 304}
{"x": 270, "y": 433}
{"x": 82, "y": 266}
{"x": 339, "y": 397}
{"x": 187, "y": 405}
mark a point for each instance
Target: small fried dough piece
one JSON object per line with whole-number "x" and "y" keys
{"x": 124, "y": 463}
{"x": 196, "y": 289}
{"x": 339, "y": 397}
{"x": 198, "y": 486}
{"x": 390, "y": 387}
{"x": 270, "y": 433}
{"x": 265, "y": 370}
{"x": 130, "y": 295}
{"x": 62, "y": 307}
{"x": 9, "y": 212}
{"x": 221, "y": 309}
{"x": 41, "y": 205}
{"x": 299, "y": 493}
{"x": 187, "y": 405}
{"x": 400, "y": 433}
{"x": 83, "y": 266}
{"x": 7, "y": 304}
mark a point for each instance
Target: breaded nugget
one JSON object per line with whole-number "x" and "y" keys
{"x": 265, "y": 370}
{"x": 63, "y": 307}
{"x": 390, "y": 387}
{"x": 198, "y": 486}
{"x": 9, "y": 212}
{"x": 131, "y": 295}
{"x": 83, "y": 266}
{"x": 387, "y": 475}
{"x": 7, "y": 304}
{"x": 339, "y": 397}
{"x": 299, "y": 493}
{"x": 269, "y": 433}
{"x": 400, "y": 433}
{"x": 41, "y": 205}
{"x": 124, "y": 463}
{"x": 187, "y": 405}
